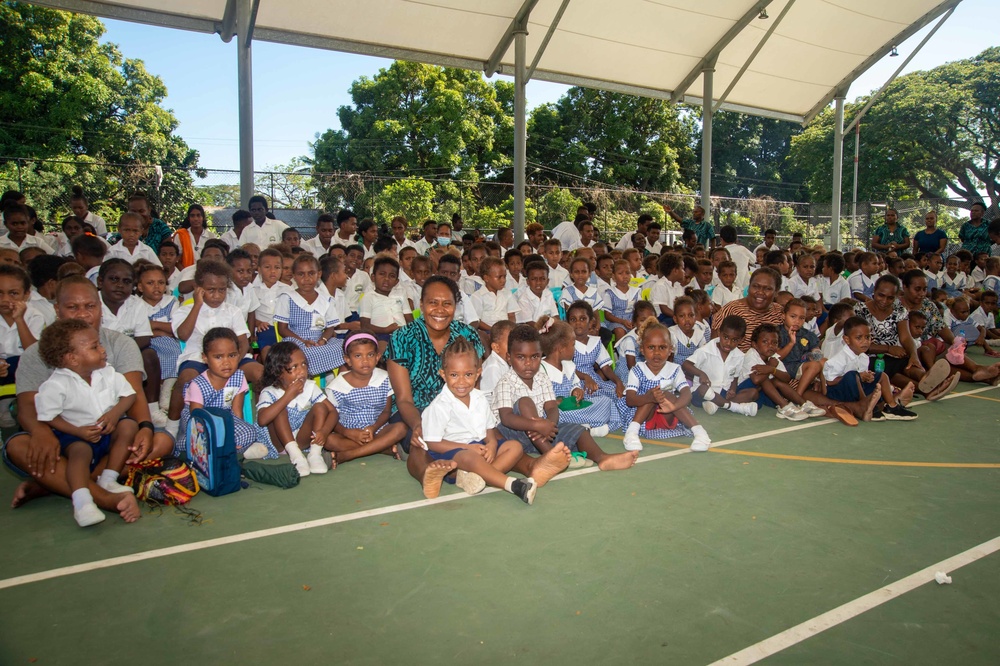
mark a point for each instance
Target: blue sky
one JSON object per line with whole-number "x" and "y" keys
{"x": 297, "y": 90}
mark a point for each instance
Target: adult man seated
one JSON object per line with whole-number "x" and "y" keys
{"x": 34, "y": 454}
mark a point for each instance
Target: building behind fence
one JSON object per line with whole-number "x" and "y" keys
{"x": 482, "y": 205}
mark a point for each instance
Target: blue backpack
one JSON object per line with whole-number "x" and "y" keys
{"x": 211, "y": 448}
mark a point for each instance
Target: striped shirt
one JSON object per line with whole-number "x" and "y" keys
{"x": 752, "y": 318}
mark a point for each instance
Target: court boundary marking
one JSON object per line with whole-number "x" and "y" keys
{"x": 156, "y": 553}
{"x": 817, "y": 625}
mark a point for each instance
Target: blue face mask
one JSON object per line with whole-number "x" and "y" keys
{"x": 444, "y": 240}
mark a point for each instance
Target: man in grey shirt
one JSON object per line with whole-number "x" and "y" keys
{"x": 35, "y": 453}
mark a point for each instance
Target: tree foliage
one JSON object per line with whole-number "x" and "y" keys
{"x": 934, "y": 134}
{"x": 64, "y": 95}
{"x": 749, "y": 157}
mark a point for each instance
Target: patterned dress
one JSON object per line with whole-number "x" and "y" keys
{"x": 619, "y": 305}
{"x": 601, "y": 411}
{"x": 642, "y": 380}
{"x": 684, "y": 346}
{"x": 360, "y": 407}
{"x": 588, "y": 354}
{"x": 308, "y": 321}
{"x": 298, "y": 409}
{"x": 246, "y": 433}
{"x": 167, "y": 348}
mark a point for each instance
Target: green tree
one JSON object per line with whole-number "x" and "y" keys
{"x": 934, "y": 133}
{"x": 64, "y": 95}
{"x": 413, "y": 198}
{"x": 288, "y": 185}
{"x": 748, "y": 157}
{"x": 613, "y": 138}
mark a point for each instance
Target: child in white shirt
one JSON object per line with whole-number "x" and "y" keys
{"x": 130, "y": 248}
{"x": 495, "y": 366}
{"x": 493, "y": 302}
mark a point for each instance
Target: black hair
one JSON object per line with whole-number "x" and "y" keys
{"x": 581, "y": 305}
{"x": 853, "y": 323}
{"x": 325, "y": 217}
{"x": 219, "y": 333}
{"x": 523, "y": 334}
{"x": 71, "y": 218}
{"x": 382, "y": 260}
{"x": 328, "y": 266}
{"x": 645, "y": 218}
{"x": 89, "y": 246}
{"x": 762, "y": 329}
{"x": 112, "y": 263}
{"x": 459, "y": 347}
{"x": 206, "y": 267}
{"x": 510, "y": 254}
{"x": 236, "y": 255}
{"x": 278, "y": 358}
{"x": 890, "y": 279}
{"x": 728, "y": 233}
{"x": 217, "y": 244}
{"x": 186, "y": 222}
{"x": 19, "y": 273}
{"x": 456, "y": 293}
{"x": 362, "y": 341}
{"x": 354, "y": 248}
{"x": 241, "y": 215}
{"x": 500, "y": 330}
{"x": 834, "y": 261}
{"x": 385, "y": 243}
{"x": 450, "y": 259}
{"x": 257, "y": 199}
{"x": 171, "y": 245}
{"x": 735, "y": 324}
{"x": 774, "y": 257}
{"x": 344, "y": 214}
{"x": 44, "y": 269}
{"x": 57, "y": 340}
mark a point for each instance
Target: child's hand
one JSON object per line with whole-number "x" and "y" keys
{"x": 20, "y": 307}
{"x": 867, "y": 376}
{"x": 590, "y": 383}
{"x": 199, "y": 296}
{"x": 546, "y": 428}
{"x": 896, "y": 352}
{"x": 92, "y": 433}
{"x": 667, "y": 405}
{"x": 620, "y": 390}
{"x": 262, "y": 326}
{"x": 310, "y": 343}
{"x": 657, "y": 394}
{"x": 578, "y": 394}
{"x": 4, "y": 368}
{"x": 108, "y": 422}
{"x": 480, "y": 449}
{"x": 763, "y": 369}
{"x": 296, "y": 387}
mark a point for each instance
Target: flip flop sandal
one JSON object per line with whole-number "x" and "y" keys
{"x": 579, "y": 460}
{"x": 937, "y": 374}
{"x": 842, "y": 414}
{"x": 947, "y": 386}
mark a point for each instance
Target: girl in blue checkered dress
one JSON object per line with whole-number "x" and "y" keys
{"x": 558, "y": 344}
{"x": 223, "y": 386}
{"x": 620, "y": 300}
{"x": 309, "y": 319}
{"x": 687, "y": 334}
{"x": 657, "y": 395}
{"x": 580, "y": 288}
{"x": 362, "y": 401}
{"x": 627, "y": 349}
{"x": 151, "y": 282}
{"x": 593, "y": 363}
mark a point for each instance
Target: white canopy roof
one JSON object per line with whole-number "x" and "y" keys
{"x": 656, "y": 48}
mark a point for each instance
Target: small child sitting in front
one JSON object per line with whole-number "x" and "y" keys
{"x": 459, "y": 426}
{"x": 763, "y": 370}
{"x": 657, "y": 395}
{"x": 726, "y": 290}
{"x": 714, "y": 370}
{"x": 619, "y": 301}
{"x": 536, "y": 304}
{"x": 362, "y": 403}
{"x": 628, "y": 347}
{"x": 580, "y": 287}
{"x": 593, "y": 362}
{"x": 309, "y": 319}
{"x": 84, "y": 401}
{"x": 687, "y": 333}
{"x": 294, "y": 410}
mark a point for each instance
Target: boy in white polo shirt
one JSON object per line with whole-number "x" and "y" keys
{"x": 129, "y": 247}
{"x": 714, "y": 370}
{"x": 494, "y": 302}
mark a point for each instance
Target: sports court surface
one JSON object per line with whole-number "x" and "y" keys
{"x": 737, "y": 554}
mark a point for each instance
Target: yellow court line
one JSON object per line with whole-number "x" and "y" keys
{"x": 983, "y": 397}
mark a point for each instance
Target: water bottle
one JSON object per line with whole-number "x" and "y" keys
{"x": 880, "y": 363}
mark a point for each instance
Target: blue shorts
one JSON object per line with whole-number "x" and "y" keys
{"x": 11, "y": 370}
{"x": 698, "y": 401}
{"x": 20, "y": 473}
{"x": 762, "y": 399}
{"x": 448, "y": 455}
{"x": 846, "y": 390}
{"x": 98, "y": 449}
{"x": 568, "y": 434}
{"x": 199, "y": 367}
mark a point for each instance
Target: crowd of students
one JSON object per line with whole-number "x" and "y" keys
{"x": 473, "y": 358}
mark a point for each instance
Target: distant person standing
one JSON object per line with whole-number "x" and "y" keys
{"x": 974, "y": 234}
{"x": 890, "y": 236}
{"x": 703, "y": 229}
{"x": 81, "y": 208}
{"x": 625, "y": 242}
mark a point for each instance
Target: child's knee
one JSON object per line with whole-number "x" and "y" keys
{"x": 526, "y": 407}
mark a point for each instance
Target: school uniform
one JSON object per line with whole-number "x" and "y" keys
{"x": 967, "y": 328}
{"x": 201, "y": 392}
{"x": 494, "y": 368}
{"x": 224, "y": 316}
{"x": 510, "y": 390}
{"x": 721, "y": 295}
{"x": 132, "y": 318}
{"x": 298, "y": 408}
{"x": 44, "y": 307}
{"x": 836, "y": 291}
{"x": 642, "y": 380}
{"x": 627, "y": 346}
{"x": 954, "y": 286}
{"x": 531, "y": 308}
{"x": 308, "y": 321}
{"x": 244, "y": 298}
{"x": 685, "y": 345}
{"x": 591, "y": 295}
{"x": 983, "y": 318}
{"x": 845, "y": 366}
{"x": 359, "y": 407}
{"x": 592, "y": 353}
{"x": 832, "y": 343}
{"x": 494, "y": 306}
{"x": 665, "y": 293}
{"x": 449, "y": 419}
{"x": 620, "y": 304}
{"x": 601, "y": 411}
{"x": 751, "y": 359}
{"x": 470, "y": 284}
{"x": 29, "y": 241}
{"x": 932, "y": 279}
{"x": 167, "y": 348}
{"x": 721, "y": 372}
{"x": 800, "y": 287}
{"x": 385, "y": 309}
{"x": 141, "y": 251}
{"x": 358, "y": 284}
{"x": 557, "y": 276}
{"x": 859, "y": 283}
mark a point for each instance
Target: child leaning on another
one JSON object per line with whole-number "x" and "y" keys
{"x": 84, "y": 401}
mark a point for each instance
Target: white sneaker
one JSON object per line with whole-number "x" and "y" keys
{"x": 315, "y": 461}
{"x": 632, "y": 442}
{"x": 256, "y": 451}
{"x": 88, "y": 514}
{"x": 809, "y": 409}
{"x": 792, "y": 413}
{"x": 709, "y": 407}
{"x": 709, "y": 395}
{"x": 744, "y": 408}
{"x": 701, "y": 443}
{"x": 301, "y": 465}
{"x": 600, "y": 431}
{"x": 113, "y": 487}
{"x": 471, "y": 483}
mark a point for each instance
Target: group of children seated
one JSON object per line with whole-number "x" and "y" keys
{"x": 601, "y": 339}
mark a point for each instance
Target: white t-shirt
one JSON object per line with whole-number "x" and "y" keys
{"x": 567, "y": 234}
{"x": 493, "y": 307}
{"x": 800, "y": 287}
{"x": 721, "y": 373}
{"x": 68, "y": 395}
{"x": 245, "y": 299}
{"x": 10, "y": 341}
{"x": 744, "y": 259}
{"x": 665, "y": 292}
{"x": 752, "y": 358}
{"x": 843, "y": 362}
{"x": 449, "y": 419}
{"x": 132, "y": 318}
{"x": 722, "y": 295}
{"x": 141, "y": 251}
{"x": 224, "y": 316}
{"x": 836, "y": 291}
{"x": 385, "y": 310}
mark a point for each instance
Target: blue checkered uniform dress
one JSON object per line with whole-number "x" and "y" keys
{"x": 642, "y": 385}
{"x": 684, "y": 347}
{"x": 602, "y": 410}
{"x": 586, "y": 358}
{"x": 619, "y": 307}
{"x": 296, "y": 415}
{"x": 629, "y": 345}
{"x": 321, "y": 359}
{"x": 246, "y": 433}
{"x": 571, "y": 295}
{"x": 167, "y": 349}
{"x": 360, "y": 407}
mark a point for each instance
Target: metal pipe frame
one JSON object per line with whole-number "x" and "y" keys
{"x": 517, "y": 24}
{"x": 245, "y": 15}
{"x": 838, "y": 169}
{"x": 708, "y": 78}
{"x": 545, "y": 40}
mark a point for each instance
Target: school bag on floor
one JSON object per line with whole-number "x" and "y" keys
{"x": 160, "y": 481}
{"x": 211, "y": 450}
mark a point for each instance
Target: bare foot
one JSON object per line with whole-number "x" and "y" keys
{"x": 128, "y": 507}
{"x": 556, "y": 460}
{"x": 26, "y": 492}
{"x": 618, "y": 461}
{"x": 394, "y": 452}
{"x": 333, "y": 459}
{"x": 983, "y": 374}
{"x": 872, "y": 401}
{"x": 906, "y": 395}
{"x": 434, "y": 475}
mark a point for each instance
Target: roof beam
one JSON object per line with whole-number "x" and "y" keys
{"x": 132, "y": 14}
{"x": 518, "y": 24}
{"x": 760, "y": 45}
{"x": 910, "y": 30}
{"x": 545, "y": 40}
{"x": 713, "y": 53}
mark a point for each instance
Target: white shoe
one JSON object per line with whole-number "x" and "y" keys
{"x": 158, "y": 418}
{"x": 600, "y": 431}
{"x": 792, "y": 413}
{"x": 316, "y": 463}
{"x": 809, "y": 409}
{"x": 744, "y": 408}
{"x": 113, "y": 487}
{"x": 632, "y": 442}
{"x": 701, "y": 443}
{"x": 709, "y": 395}
{"x": 166, "y": 388}
{"x": 301, "y": 465}
{"x": 88, "y": 514}
{"x": 471, "y": 483}
{"x": 255, "y": 451}
{"x": 709, "y": 407}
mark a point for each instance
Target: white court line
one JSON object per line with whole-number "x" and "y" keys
{"x": 358, "y": 515}
{"x": 851, "y": 609}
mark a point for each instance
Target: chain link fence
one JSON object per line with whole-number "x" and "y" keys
{"x": 482, "y": 205}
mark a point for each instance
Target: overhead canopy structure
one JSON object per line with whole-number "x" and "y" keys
{"x": 784, "y": 59}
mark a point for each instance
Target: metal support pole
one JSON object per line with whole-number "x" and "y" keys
{"x": 706, "y": 139}
{"x": 520, "y": 133}
{"x": 854, "y": 199}
{"x": 244, "y": 61}
{"x": 838, "y": 168}
{"x": 20, "y": 180}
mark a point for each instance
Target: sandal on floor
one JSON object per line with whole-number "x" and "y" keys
{"x": 842, "y": 414}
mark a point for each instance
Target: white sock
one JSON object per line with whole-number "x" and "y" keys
{"x": 315, "y": 450}
{"x": 508, "y": 485}
{"x": 699, "y": 430}
{"x": 293, "y": 451}
{"x": 173, "y": 426}
{"x": 109, "y": 475}
{"x": 81, "y": 498}
{"x": 633, "y": 428}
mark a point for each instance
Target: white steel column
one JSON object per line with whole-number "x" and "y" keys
{"x": 244, "y": 27}
{"x": 838, "y": 168}
{"x": 706, "y": 139}
{"x": 520, "y": 133}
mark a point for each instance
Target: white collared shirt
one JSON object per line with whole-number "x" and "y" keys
{"x": 267, "y": 299}
{"x": 314, "y": 246}
{"x": 141, "y": 251}
{"x": 10, "y": 341}
{"x": 494, "y": 306}
{"x": 557, "y": 276}
{"x": 494, "y": 368}
{"x": 721, "y": 373}
{"x": 245, "y": 299}
{"x": 47, "y": 310}
{"x": 29, "y": 241}
{"x": 358, "y": 284}
{"x": 323, "y": 309}
{"x": 225, "y": 316}
{"x": 68, "y": 395}
{"x": 670, "y": 377}
{"x": 531, "y": 308}
{"x": 753, "y": 358}
{"x": 665, "y": 292}
{"x": 385, "y": 309}
{"x": 836, "y": 291}
{"x": 449, "y": 419}
{"x": 132, "y": 318}
{"x": 843, "y": 362}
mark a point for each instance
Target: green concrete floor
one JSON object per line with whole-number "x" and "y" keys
{"x": 684, "y": 559}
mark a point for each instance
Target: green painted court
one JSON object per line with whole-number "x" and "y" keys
{"x": 685, "y": 559}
